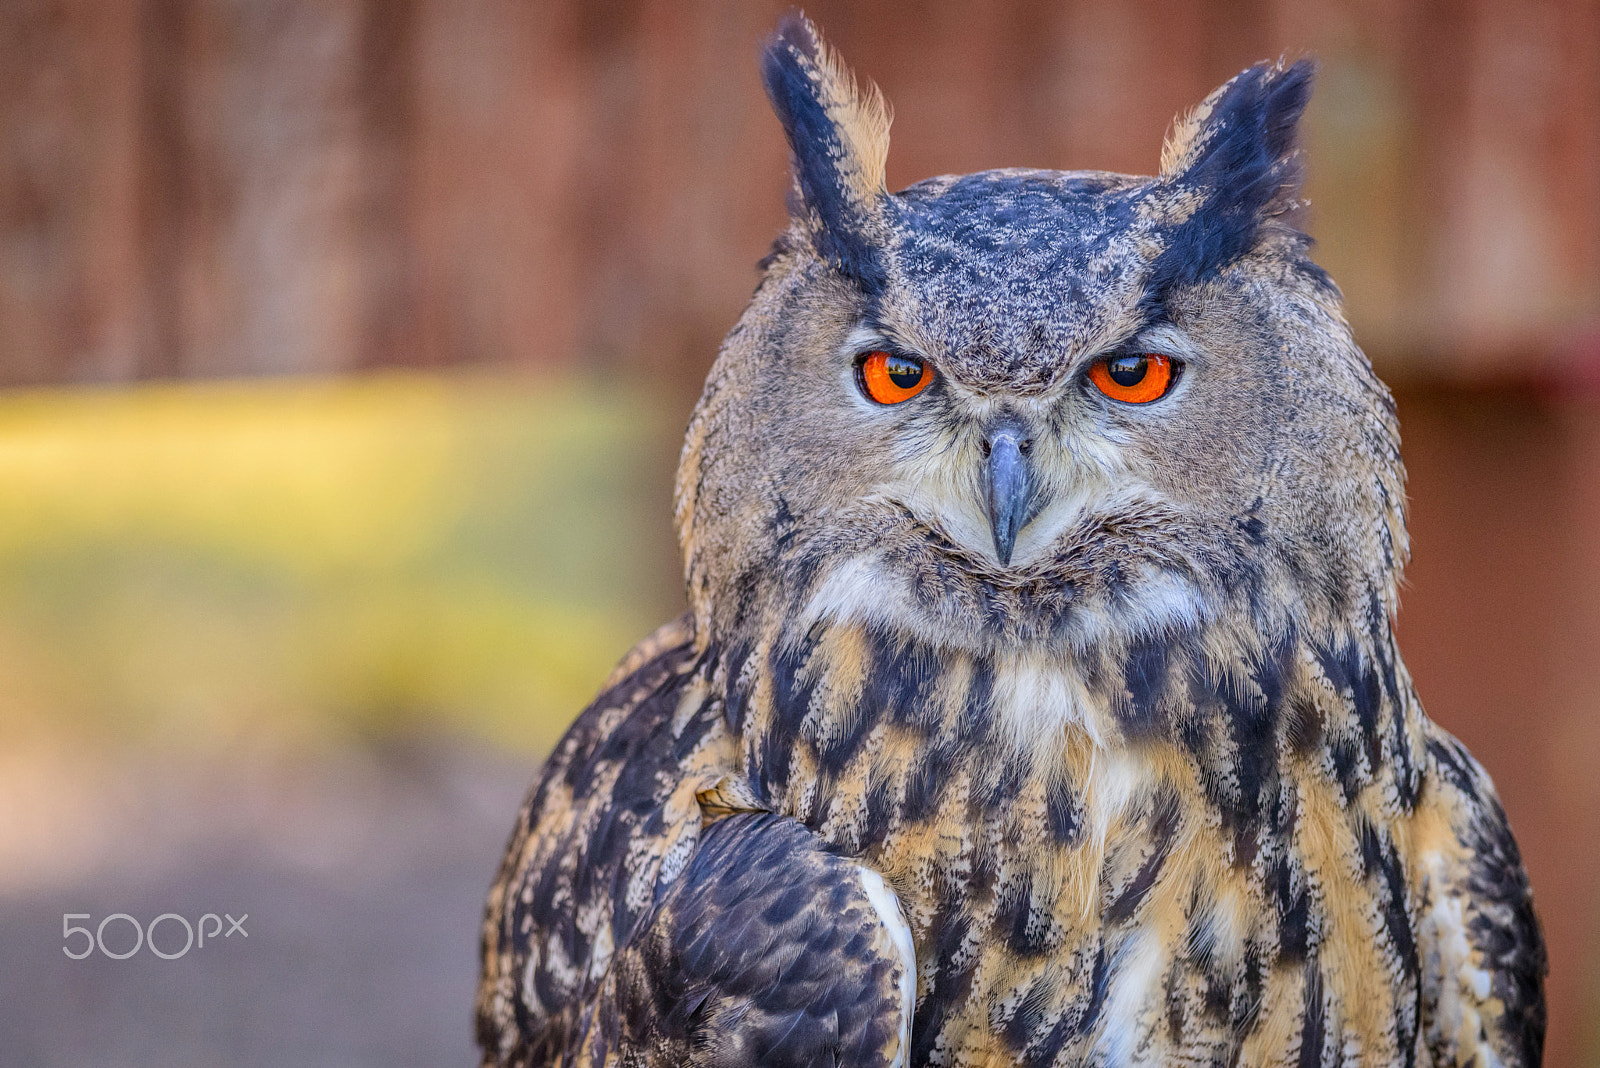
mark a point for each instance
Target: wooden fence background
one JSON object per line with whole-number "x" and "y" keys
{"x": 204, "y": 187}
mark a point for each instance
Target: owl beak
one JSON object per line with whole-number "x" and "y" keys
{"x": 1007, "y": 487}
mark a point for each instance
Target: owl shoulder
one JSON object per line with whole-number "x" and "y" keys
{"x": 1484, "y": 958}
{"x": 611, "y": 819}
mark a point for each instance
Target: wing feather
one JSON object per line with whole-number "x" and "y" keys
{"x": 1484, "y": 964}
{"x": 643, "y": 917}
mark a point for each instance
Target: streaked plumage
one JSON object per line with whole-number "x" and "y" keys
{"x": 1150, "y": 786}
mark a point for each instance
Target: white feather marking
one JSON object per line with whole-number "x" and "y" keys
{"x": 1116, "y": 780}
{"x": 887, "y": 905}
{"x": 1038, "y": 698}
{"x": 1134, "y": 978}
{"x": 600, "y": 954}
{"x": 1461, "y": 985}
{"x": 858, "y": 590}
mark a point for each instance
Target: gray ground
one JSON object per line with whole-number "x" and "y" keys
{"x": 363, "y": 876}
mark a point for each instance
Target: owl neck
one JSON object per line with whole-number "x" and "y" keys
{"x": 856, "y": 727}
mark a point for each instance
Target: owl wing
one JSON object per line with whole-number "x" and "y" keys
{"x": 767, "y": 951}
{"x": 1483, "y": 963}
{"x": 627, "y": 926}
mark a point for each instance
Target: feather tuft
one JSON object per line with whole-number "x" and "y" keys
{"x": 838, "y": 136}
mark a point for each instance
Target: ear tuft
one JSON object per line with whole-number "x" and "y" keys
{"x": 1236, "y": 157}
{"x": 839, "y": 138}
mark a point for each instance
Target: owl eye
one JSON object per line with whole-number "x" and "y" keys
{"x": 889, "y": 378}
{"x": 1136, "y": 379}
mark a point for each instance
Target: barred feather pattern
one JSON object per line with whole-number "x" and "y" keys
{"x": 1262, "y": 879}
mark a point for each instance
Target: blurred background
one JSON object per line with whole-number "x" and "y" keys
{"x": 347, "y": 346}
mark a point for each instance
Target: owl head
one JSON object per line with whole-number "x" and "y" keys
{"x": 1028, "y": 406}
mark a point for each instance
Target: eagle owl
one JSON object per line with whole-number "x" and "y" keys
{"x": 1038, "y": 702}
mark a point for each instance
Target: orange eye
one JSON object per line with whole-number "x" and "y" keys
{"x": 1137, "y": 379}
{"x": 890, "y": 379}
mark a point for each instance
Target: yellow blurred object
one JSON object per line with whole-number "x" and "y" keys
{"x": 310, "y": 559}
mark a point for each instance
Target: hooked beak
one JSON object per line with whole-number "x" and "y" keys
{"x": 1008, "y": 487}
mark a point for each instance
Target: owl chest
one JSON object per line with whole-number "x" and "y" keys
{"x": 1049, "y": 916}
{"x": 1090, "y": 902}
